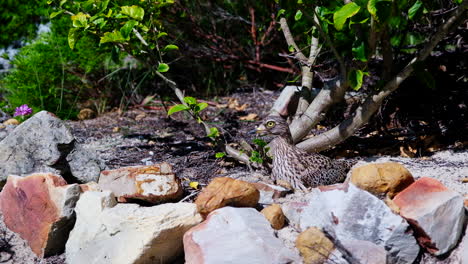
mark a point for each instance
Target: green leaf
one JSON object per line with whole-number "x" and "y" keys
{"x": 219, "y": 155}
{"x": 101, "y": 22}
{"x": 298, "y": 15}
{"x": 256, "y": 157}
{"x": 161, "y": 34}
{"x": 54, "y": 14}
{"x": 280, "y": 12}
{"x": 214, "y": 133}
{"x": 114, "y": 36}
{"x": 355, "y": 79}
{"x": 133, "y": 11}
{"x": 170, "y": 47}
{"x": 359, "y": 51}
{"x": 163, "y": 67}
{"x": 201, "y": 106}
{"x": 127, "y": 28}
{"x": 345, "y": 12}
{"x": 379, "y": 9}
{"x": 259, "y": 142}
{"x": 80, "y": 20}
{"x": 190, "y": 100}
{"x": 413, "y": 11}
{"x": 177, "y": 108}
{"x": 73, "y": 36}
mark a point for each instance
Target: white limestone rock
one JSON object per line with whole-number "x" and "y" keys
{"x": 109, "y": 233}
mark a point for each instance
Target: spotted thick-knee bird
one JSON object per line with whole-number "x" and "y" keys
{"x": 296, "y": 166}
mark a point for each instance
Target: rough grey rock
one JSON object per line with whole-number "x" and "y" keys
{"x": 84, "y": 164}
{"x": 43, "y": 143}
{"x": 235, "y": 235}
{"x": 363, "y": 251}
{"x": 355, "y": 214}
{"x": 109, "y": 233}
{"x": 4, "y": 116}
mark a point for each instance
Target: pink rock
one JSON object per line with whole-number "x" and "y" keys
{"x": 235, "y": 235}
{"x": 269, "y": 192}
{"x": 435, "y": 212}
{"x": 154, "y": 184}
{"x": 39, "y": 208}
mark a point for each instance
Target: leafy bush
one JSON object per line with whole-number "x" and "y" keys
{"x": 47, "y": 75}
{"x": 20, "y": 19}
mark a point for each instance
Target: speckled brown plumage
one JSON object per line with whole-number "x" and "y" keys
{"x": 298, "y": 167}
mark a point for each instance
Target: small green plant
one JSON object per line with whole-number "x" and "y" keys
{"x": 220, "y": 155}
{"x": 191, "y": 106}
{"x": 259, "y": 155}
{"x": 194, "y": 108}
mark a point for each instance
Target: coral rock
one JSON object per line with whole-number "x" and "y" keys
{"x": 39, "y": 208}
{"x": 435, "y": 212}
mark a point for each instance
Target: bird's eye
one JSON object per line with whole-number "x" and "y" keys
{"x": 270, "y": 124}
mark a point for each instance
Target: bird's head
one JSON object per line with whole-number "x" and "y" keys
{"x": 274, "y": 126}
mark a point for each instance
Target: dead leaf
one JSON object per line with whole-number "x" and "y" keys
{"x": 242, "y": 107}
{"x": 233, "y": 103}
{"x": 249, "y": 117}
{"x": 407, "y": 152}
{"x": 147, "y": 99}
{"x": 140, "y": 117}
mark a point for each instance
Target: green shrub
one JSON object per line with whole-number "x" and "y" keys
{"x": 47, "y": 75}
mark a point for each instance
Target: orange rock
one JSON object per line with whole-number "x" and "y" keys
{"x": 11, "y": 121}
{"x": 314, "y": 246}
{"x": 224, "y": 191}
{"x": 86, "y": 113}
{"x": 382, "y": 179}
{"x": 274, "y": 215}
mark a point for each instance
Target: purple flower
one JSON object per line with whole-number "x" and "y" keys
{"x": 23, "y": 110}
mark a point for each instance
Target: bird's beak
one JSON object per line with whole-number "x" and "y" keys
{"x": 261, "y": 129}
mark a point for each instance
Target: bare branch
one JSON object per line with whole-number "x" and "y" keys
{"x": 330, "y": 94}
{"x": 290, "y": 40}
{"x": 363, "y": 113}
{"x": 234, "y": 153}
